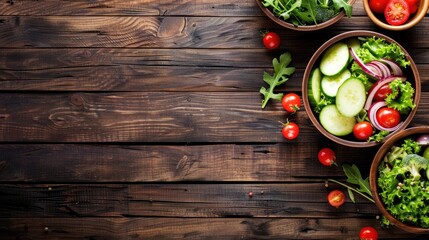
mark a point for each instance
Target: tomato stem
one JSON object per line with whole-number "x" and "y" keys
{"x": 351, "y": 188}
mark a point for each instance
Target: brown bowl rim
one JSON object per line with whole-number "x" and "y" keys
{"x": 373, "y": 175}
{"x": 416, "y": 18}
{"x": 302, "y": 28}
{"x": 313, "y": 60}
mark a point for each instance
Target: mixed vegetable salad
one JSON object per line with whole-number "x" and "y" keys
{"x": 360, "y": 90}
{"x": 403, "y": 181}
{"x": 307, "y": 12}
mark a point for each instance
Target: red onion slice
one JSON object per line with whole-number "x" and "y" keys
{"x": 375, "y": 88}
{"x": 372, "y": 117}
{"x": 361, "y": 64}
{"x": 423, "y": 139}
{"x": 385, "y": 70}
{"x": 394, "y": 67}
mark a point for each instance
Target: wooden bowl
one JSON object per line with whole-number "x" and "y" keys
{"x": 412, "y": 76}
{"x": 289, "y": 25}
{"x": 413, "y": 132}
{"x": 414, "y": 19}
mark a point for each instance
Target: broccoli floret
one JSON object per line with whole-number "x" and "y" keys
{"x": 413, "y": 163}
{"x": 395, "y": 154}
{"x": 324, "y": 14}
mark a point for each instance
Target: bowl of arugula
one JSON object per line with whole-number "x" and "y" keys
{"x": 306, "y": 15}
{"x": 399, "y": 180}
{"x": 360, "y": 87}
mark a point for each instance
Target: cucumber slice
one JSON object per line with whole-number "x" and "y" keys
{"x": 335, "y": 123}
{"x": 314, "y": 87}
{"x": 351, "y": 97}
{"x": 334, "y": 59}
{"x": 330, "y": 84}
{"x": 353, "y": 43}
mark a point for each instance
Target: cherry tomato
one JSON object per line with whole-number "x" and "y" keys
{"x": 378, "y": 6}
{"x": 413, "y": 5}
{"x": 382, "y": 93}
{"x": 336, "y": 198}
{"x": 290, "y": 130}
{"x": 388, "y": 117}
{"x": 396, "y": 12}
{"x": 368, "y": 233}
{"x": 291, "y": 102}
{"x": 363, "y": 130}
{"x": 271, "y": 40}
{"x": 327, "y": 156}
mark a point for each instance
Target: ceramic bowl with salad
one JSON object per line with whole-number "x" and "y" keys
{"x": 306, "y": 15}
{"x": 399, "y": 180}
{"x": 360, "y": 87}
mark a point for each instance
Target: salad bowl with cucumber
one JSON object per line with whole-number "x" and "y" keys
{"x": 360, "y": 87}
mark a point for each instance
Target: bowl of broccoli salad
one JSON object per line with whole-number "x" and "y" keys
{"x": 399, "y": 180}
{"x": 306, "y": 15}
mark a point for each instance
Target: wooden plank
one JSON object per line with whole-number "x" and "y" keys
{"x": 138, "y": 7}
{"x": 155, "y": 163}
{"x": 306, "y": 200}
{"x": 133, "y": 117}
{"x": 164, "y": 32}
{"x": 93, "y": 69}
{"x": 192, "y": 228}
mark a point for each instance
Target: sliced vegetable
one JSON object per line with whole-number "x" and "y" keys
{"x": 336, "y": 123}
{"x": 371, "y": 70}
{"x": 314, "y": 93}
{"x": 336, "y": 198}
{"x": 331, "y": 84}
{"x": 423, "y": 139}
{"x": 334, "y": 59}
{"x": 351, "y": 97}
{"x": 397, "y": 12}
{"x": 373, "y": 118}
{"x": 395, "y": 69}
{"x": 376, "y": 87}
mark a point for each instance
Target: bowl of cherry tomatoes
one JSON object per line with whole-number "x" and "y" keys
{"x": 396, "y": 15}
{"x": 360, "y": 87}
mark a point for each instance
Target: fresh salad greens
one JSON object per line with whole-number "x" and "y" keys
{"x": 403, "y": 183}
{"x": 361, "y": 79}
{"x": 307, "y": 12}
{"x": 280, "y": 76}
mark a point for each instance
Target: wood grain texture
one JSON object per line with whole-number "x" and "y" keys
{"x": 191, "y": 228}
{"x": 163, "y": 32}
{"x": 282, "y": 162}
{"x": 138, "y": 7}
{"x": 177, "y": 200}
{"x": 149, "y": 70}
{"x": 133, "y": 117}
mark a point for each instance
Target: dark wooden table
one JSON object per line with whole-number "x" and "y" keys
{"x": 142, "y": 120}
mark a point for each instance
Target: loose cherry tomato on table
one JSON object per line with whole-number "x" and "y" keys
{"x": 290, "y": 130}
{"x": 291, "y": 102}
{"x": 388, "y": 117}
{"x": 378, "y": 6}
{"x": 271, "y": 40}
{"x": 397, "y": 12}
{"x": 327, "y": 156}
{"x": 368, "y": 233}
{"x": 336, "y": 198}
{"x": 363, "y": 130}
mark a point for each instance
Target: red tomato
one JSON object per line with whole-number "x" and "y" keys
{"x": 363, "y": 130}
{"x": 368, "y": 233}
{"x": 378, "y": 6}
{"x": 388, "y": 117}
{"x": 290, "y": 130}
{"x": 291, "y": 102}
{"x": 271, "y": 40}
{"x": 336, "y": 198}
{"x": 413, "y": 5}
{"x": 396, "y": 12}
{"x": 381, "y": 93}
{"x": 327, "y": 156}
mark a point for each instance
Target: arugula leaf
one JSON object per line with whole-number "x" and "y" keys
{"x": 281, "y": 71}
{"x": 339, "y": 4}
{"x": 354, "y": 176}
